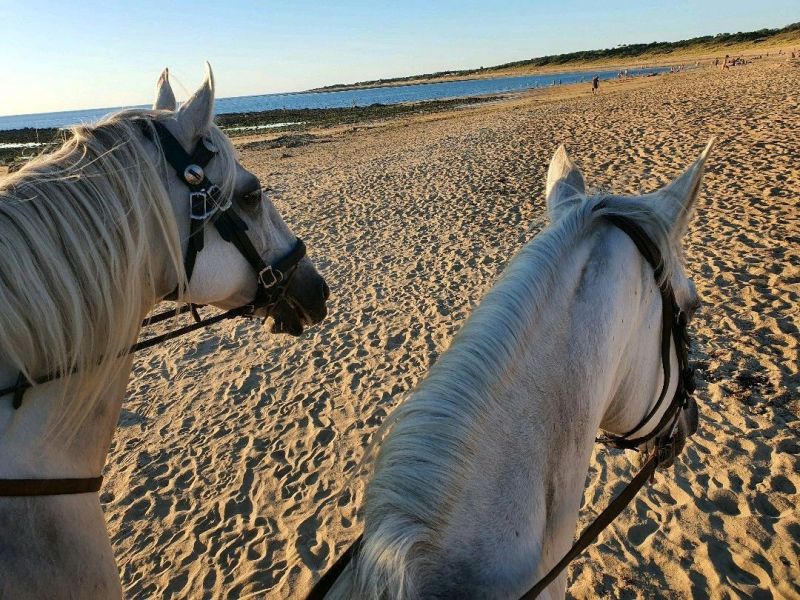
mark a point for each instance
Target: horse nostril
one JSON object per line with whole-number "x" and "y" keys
{"x": 326, "y": 291}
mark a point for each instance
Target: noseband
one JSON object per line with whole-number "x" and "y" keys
{"x": 673, "y": 327}
{"x": 205, "y": 204}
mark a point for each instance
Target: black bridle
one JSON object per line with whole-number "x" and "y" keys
{"x": 673, "y": 327}
{"x": 206, "y": 204}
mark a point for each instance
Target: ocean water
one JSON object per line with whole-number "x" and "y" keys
{"x": 342, "y": 99}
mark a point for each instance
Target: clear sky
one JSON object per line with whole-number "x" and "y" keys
{"x": 64, "y": 54}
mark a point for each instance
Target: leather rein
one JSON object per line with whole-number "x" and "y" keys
{"x": 206, "y": 204}
{"x": 673, "y": 326}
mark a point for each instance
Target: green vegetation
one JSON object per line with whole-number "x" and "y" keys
{"x": 630, "y": 51}
{"x": 621, "y": 53}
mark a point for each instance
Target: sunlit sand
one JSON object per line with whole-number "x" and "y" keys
{"x": 231, "y": 471}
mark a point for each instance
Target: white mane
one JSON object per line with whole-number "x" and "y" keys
{"x": 77, "y": 266}
{"x": 434, "y": 434}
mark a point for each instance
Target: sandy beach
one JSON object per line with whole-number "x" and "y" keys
{"x": 233, "y": 471}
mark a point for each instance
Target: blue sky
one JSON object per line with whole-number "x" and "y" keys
{"x": 63, "y": 55}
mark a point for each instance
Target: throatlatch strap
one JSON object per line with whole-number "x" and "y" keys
{"x": 194, "y": 246}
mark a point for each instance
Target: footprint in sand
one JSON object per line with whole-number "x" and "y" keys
{"x": 639, "y": 533}
{"x": 725, "y": 500}
{"x": 783, "y": 485}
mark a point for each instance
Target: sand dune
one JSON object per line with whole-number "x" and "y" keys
{"x": 229, "y": 475}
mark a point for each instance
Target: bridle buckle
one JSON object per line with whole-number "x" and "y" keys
{"x": 270, "y": 277}
{"x": 203, "y": 203}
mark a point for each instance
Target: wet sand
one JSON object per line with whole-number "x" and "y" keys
{"x": 229, "y": 476}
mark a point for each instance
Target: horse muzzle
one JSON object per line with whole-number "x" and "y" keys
{"x": 303, "y": 304}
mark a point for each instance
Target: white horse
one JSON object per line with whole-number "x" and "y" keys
{"x": 91, "y": 238}
{"x": 477, "y": 485}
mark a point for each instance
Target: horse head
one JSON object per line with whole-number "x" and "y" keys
{"x": 221, "y": 275}
{"x": 92, "y": 235}
{"x": 629, "y": 419}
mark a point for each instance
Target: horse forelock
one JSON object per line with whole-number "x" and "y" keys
{"x": 78, "y": 230}
{"x": 430, "y": 440}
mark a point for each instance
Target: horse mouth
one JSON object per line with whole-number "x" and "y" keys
{"x": 289, "y": 317}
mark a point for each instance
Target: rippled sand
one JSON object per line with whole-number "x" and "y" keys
{"x": 233, "y": 447}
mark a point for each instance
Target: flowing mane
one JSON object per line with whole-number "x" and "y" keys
{"x": 433, "y": 435}
{"x": 77, "y": 263}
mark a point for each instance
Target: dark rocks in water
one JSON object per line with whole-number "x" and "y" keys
{"x": 30, "y": 134}
{"x": 300, "y": 119}
{"x": 43, "y": 140}
{"x": 311, "y": 117}
{"x": 285, "y": 141}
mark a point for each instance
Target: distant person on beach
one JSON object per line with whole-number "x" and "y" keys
{"x": 595, "y": 84}
{"x": 725, "y": 64}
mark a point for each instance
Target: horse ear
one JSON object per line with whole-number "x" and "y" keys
{"x": 679, "y": 197}
{"x": 165, "y": 97}
{"x": 564, "y": 181}
{"x": 197, "y": 112}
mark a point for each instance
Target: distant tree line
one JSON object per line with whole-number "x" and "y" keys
{"x": 632, "y": 50}
{"x": 620, "y": 52}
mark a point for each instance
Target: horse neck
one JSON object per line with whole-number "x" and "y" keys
{"x": 515, "y": 510}
{"x": 29, "y": 451}
{"x": 56, "y": 545}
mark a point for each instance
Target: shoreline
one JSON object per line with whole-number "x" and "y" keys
{"x": 279, "y": 122}
{"x": 237, "y": 125}
{"x": 556, "y": 70}
{"x": 499, "y": 103}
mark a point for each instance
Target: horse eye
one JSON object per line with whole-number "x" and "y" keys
{"x": 252, "y": 199}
